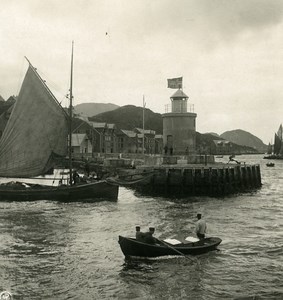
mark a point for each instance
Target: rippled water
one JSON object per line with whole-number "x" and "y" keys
{"x": 53, "y": 250}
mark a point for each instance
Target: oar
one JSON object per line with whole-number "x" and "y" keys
{"x": 177, "y": 251}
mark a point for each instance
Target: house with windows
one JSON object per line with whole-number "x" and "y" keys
{"x": 81, "y": 145}
{"x": 127, "y": 141}
{"x": 102, "y": 135}
{"x": 149, "y": 139}
{"x": 105, "y": 137}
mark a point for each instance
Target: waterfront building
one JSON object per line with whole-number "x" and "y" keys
{"x": 81, "y": 145}
{"x": 127, "y": 141}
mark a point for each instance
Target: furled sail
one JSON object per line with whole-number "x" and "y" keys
{"x": 36, "y": 132}
{"x": 280, "y": 132}
{"x": 269, "y": 149}
{"x": 277, "y": 144}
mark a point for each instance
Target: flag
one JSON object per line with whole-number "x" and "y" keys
{"x": 175, "y": 83}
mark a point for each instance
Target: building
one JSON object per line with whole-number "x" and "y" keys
{"x": 146, "y": 138}
{"x": 158, "y": 146}
{"x": 81, "y": 145}
{"x": 127, "y": 141}
{"x": 179, "y": 126}
{"x": 104, "y": 137}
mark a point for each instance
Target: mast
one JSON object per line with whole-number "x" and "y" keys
{"x": 143, "y": 106}
{"x": 71, "y": 117}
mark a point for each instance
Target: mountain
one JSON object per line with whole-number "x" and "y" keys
{"x": 92, "y": 109}
{"x": 244, "y": 138}
{"x": 130, "y": 117}
{"x": 212, "y": 133}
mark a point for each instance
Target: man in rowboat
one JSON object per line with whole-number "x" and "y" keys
{"x": 139, "y": 234}
{"x": 200, "y": 227}
{"x": 148, "y": 236}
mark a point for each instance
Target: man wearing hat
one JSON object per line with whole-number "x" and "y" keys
{"x": 200, "y": 227}
{"x": 139, "y": 234}
{"x": 148, "y": 236}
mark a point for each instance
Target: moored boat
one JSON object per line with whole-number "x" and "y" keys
{"x": 132, "y": 247}
{"x": 86, "y": 192}
{"x": 35, "y": 138}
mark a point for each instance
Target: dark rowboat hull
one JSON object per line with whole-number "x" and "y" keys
{"x": 91, "y": 192}
{"x": 132, "y": 247}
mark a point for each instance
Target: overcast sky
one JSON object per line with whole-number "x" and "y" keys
{"x": 229, "y": 52}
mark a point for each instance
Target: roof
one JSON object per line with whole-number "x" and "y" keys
{"x": 129, "y": 133}
{"x": 146, "y": 131}
{"x": 77, "y": 139}
{"x": 98, "y": 124}
{"x": 179, "y": 94}
{"x": 111, "y": 126}
{"x": 83, "y": 118}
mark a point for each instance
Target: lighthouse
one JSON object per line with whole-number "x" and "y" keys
{"x": 179, "y": 126}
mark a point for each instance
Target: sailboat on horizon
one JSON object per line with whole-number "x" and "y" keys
{"x": 277, "y": 149}
{"x": 35, "y": 138}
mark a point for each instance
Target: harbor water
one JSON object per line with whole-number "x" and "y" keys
{"x": 52, "y": 250}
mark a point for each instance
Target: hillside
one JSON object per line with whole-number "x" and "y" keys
{"x": 204, "y": 141}
{"x": 92, "y": 109}
{"x": 244, "y": 138}
{"x": 130, "y": 116}
{"x": 213, "y": 133}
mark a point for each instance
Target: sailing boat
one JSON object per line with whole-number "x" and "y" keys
{"x": 34, "y": 138}
{"x": 278, "y": 145}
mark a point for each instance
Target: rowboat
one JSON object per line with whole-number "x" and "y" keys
{"x": 132, "y": 247}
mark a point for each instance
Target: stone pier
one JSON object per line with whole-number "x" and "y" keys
{"x": 216, "y": 179}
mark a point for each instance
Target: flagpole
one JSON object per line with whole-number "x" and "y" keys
{"x": 71, "y": 116}
{"x": 143, "y": 106}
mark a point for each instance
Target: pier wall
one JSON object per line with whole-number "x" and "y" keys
{"x": 213, "y": 180}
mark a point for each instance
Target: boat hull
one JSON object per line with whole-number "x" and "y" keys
{"x": 91, "y": 192}
{"x": 131, "y": 247}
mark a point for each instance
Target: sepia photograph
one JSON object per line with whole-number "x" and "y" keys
{"x": 141, "y": 149}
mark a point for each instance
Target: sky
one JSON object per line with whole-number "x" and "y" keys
{"x": 229, "y": 53}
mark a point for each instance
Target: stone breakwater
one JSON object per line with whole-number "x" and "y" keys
{"x": 211, "y": 180}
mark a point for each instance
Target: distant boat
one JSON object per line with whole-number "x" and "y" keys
{"x": 33, "y": 141}
{"x": 276, "y": 152}
{"x": 270, "y": 164}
